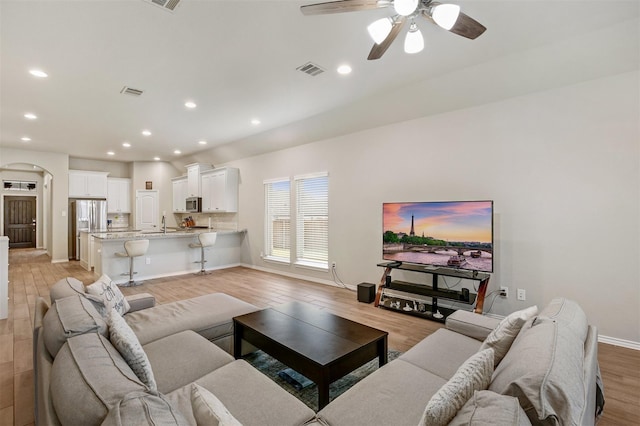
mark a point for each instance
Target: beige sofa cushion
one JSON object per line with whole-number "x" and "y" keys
{"x": 474, "y": 374}
{"x": 64, "y": 288}
{"x": 88, "y": 377}
{"x": 209, "y": 410}
{"x": 141, "y": 408}
{"x": 501, "y": 338}
{"x": 68, "y": 317}
{"x": 126, "y": 342}
{"x": 486, "y": 408}
{"x": 209, "y": 315}
{"x": 544, "y": 369}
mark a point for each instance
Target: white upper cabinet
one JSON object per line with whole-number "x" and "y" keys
{"x": 193, "y": 178}
{"x": 83, "y": 184}
{"x": 118, "y": 195}
{"x": 220, "y": 190}
{"x": 180, "y": 191}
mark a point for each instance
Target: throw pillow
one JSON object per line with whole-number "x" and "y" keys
{"x": 110, "y": 294}
{"x": 209, "y": 410}
{"x": 126, "y": 342}
{"x": 501, "y": 338}
{"x": 474, "y": 374}
{"x": 64, "y": 288}
{"x": 488, "y": 408}
{"x": 141, "y": 408}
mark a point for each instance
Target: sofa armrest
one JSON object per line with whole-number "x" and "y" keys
{"x": 141, "y": 301}
{"x": 471, "y": 324}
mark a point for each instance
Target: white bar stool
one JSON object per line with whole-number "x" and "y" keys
{"x": 205, "y": 239}
{"x": 133, "y": 248}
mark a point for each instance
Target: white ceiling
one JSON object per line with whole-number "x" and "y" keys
{"x": 237, "y": 60}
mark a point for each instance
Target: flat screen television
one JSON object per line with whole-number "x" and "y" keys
{"x": 449, "y": 234}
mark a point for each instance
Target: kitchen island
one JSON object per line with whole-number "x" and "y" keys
{"x": 168, "y": 254}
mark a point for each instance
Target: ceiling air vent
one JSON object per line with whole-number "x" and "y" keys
{"x": 169, "y": 5}
{"x": 311, "y": 69}
{"x": 131, "y": 91}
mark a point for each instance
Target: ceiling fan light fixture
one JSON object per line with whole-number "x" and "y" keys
{"x": 405, "y": 7}
{"x": 445, "y": 15}
{"x": 380, "y": 29}
{"x": 413, "y": 42}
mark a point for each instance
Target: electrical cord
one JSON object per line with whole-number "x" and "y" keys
{"x": 336, "y": 278}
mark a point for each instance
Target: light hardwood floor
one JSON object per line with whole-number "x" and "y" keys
{"x": 31, "y": 274}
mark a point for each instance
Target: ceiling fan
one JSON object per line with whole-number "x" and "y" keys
{"x": 385, "y": 30}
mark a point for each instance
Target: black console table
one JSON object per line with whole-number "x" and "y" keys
{"x": 419, "y": 307}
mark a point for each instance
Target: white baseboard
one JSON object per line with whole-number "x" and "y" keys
{"x": 296, "y": 276}
{"x": 59, "y": 260}
{"x": 629, "y": 344}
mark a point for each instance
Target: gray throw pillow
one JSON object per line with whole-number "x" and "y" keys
{"x": 501, "y": 338}
{"x": 141, "y": 408}
{"x": 209, "y": 410}
{"x": 488, "y": 408}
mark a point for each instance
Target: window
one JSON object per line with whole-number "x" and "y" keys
{"x": 17, "y": 185}
{"x": 312, "y": 220}
{"x": 278, "y": 220}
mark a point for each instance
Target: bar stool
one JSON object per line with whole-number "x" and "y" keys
{"x": 205, "y": 239}
{"x": 133, "y": 248}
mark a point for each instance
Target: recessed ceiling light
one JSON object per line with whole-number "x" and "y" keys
{"x": 146, "y": 132}
{"x": 38, "y": 73}
{"x": 255, "y": 121}
{"x": 190, "y": 104}
{"x": 30, "y": 116}
{"x": 156, "y": 158}
{"x": 202, "y": 142}
{"x": 177, "y": 152}
{"x": 126, "y": 144}
{"x": 344, "y": 69}
{"x": 111, "y": 153}
{"x": 25, "y": 139}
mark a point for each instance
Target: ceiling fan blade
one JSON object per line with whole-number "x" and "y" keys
{"x": 378, "y": 49}
{"x": 467, "y": 27}
{"x": 342, "y": 6}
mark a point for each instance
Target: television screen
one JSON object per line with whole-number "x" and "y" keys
{"x": 450, "y": 234}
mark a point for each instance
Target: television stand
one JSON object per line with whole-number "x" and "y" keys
{"x": 421, "y": 299}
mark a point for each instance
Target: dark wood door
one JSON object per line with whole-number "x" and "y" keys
{"x": 20, "y": 221}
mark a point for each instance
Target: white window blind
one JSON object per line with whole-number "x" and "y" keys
{"x": 278, "y": 220}
{"x": 312, "y": 220}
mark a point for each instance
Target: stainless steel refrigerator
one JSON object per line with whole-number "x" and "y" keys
{"x": 85, "y": 215}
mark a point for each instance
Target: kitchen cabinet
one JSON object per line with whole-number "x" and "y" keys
{"x": 179, "y": 186}
{"x": 193, "y": 178}
{"x": 118, "y": 195}
{"x": 220, "y": 190}
{"x": 85, "y": 184}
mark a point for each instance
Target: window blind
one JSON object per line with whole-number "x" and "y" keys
{"x": 312, "y": 219}
{"x": 277, "y": 218}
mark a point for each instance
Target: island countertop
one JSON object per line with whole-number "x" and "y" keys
{"x": 171, "y": 233}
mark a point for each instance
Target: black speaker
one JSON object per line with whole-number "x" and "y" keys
{"x": 366, "y": 292}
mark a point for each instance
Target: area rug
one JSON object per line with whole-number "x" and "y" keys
{"x": 309, "y": 394}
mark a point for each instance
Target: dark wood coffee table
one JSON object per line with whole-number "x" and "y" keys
{"x": 319, "y": 345}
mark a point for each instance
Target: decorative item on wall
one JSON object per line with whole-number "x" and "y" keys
{"x": 385, "y": 30}
{"x": 148, "y": 185}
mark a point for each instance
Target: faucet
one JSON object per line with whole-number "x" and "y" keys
{"x": 164, "y": 224}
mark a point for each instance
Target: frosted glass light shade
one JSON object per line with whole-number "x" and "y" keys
{"x": 405, "y": 7}
{"x": 413, "y": 42}
{"x": 445, "y": 15}
{"x": 380, "y": 29}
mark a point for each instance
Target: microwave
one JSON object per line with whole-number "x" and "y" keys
{"x": 194, "y": 205}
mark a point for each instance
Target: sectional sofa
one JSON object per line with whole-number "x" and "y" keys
{"x": 548, "y": 375}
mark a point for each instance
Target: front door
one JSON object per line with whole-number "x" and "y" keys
{"x": 20, "y": 221}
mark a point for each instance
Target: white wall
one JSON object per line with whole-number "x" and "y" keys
{"x": 160, "y": 174}
{"x": 562, "y": 167}
{"x": 118, "y": 169}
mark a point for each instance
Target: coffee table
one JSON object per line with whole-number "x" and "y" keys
{"x": 317, "y": 344}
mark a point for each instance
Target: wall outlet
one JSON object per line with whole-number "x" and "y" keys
{"x": 147, "y": 261}
{"x": 504, "y": 291}
{"x": 333, "y": 264}
{"x": 522, "y": 294}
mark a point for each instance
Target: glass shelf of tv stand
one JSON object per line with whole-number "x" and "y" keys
{"x": 431, "y": 310}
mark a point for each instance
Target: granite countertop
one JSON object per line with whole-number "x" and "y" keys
{"x": 171, "y": 233}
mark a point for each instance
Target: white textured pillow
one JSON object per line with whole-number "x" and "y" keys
{"x": 209, "y": 410}
{"x": 126, "y": 342}
{"x": 110, "y": 294}
{"x": 474, "y": 374}
{"x": 501, "y": 338}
